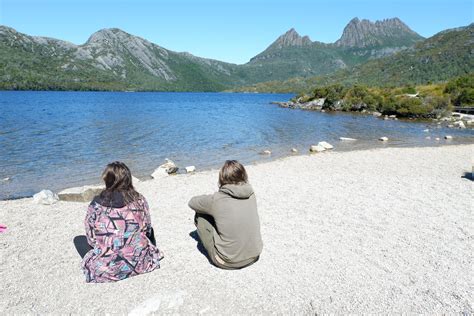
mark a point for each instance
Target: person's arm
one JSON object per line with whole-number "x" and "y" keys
{"x": 89, "y": 224}
{"x": 202, "y": 204}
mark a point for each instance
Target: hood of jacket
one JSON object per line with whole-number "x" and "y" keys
{"x": 238, "y": 191}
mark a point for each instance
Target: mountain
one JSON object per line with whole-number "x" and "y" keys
{"x": 443, "y": 56}
{"x": 386, "y": 33}
{"x": 370, "y": 52}
{"x": 293, "y": 55}
{"x": 110, "y": 59}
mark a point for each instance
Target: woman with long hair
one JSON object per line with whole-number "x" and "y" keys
{"x": 118, "y": 228}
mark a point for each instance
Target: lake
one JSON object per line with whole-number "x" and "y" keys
{"x": 54, "y": 140}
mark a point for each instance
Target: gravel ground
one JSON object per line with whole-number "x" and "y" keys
{"x": 376, "y": 231}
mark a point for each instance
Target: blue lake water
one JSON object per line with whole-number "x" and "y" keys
{"x": 54, "y": 140}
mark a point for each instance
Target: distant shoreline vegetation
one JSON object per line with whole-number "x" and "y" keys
{"x": 409, "y": 101}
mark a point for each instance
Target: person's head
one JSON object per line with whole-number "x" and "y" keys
{"x": 232, "y": 172}
{"x": 118, "y": 178}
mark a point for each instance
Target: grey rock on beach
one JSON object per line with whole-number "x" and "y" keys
{"x": 169, "y": 167}
{"x": 45, "y": 197}
{"x": 80, "y": 194}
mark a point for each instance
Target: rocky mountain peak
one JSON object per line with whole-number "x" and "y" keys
{"x": 106, "y": 35}
{"x": 365, "y": 33}
{"x": 291, "y": 38}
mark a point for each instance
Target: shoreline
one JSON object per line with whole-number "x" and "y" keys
{"x": 370, "y": 231}
{"x": 266, "y": 159}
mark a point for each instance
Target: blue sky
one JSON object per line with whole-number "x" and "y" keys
{"x": 227, "y": 30}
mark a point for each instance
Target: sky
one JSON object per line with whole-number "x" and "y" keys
{"x": 227, "y": 30}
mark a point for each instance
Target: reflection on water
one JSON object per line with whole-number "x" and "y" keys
{"x": 61, "y": 139}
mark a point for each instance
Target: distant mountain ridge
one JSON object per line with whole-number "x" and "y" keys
{"x": 112, "y": 59}
{"x": 445, "y": 55}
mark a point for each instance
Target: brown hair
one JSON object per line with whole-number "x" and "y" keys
{"x": 232, "y": 172}
{"x": 118, "y": 178}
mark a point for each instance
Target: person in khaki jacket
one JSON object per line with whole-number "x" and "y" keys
{"x": 227, "y": 221}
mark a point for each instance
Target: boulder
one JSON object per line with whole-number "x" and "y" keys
{"x": 448, "y": 137}
{"x": 470, "y": 122}
{"x": 392, "y": 116}
{"x": 326, "y": 145}
{"x": 376, "y": 114}
{"x": 316, "y": 148}
{"x": 294, "y": 150}
{"x": 190, "y": 169}
{"x": 347, "y": 139}
{"x": 266, "y": 152}
{"x": 169, "y": 167}
{"x": 135, "y": 180}
{"x": 461, "y": 124}
{"x": 385, "y": 117}
{"x": 437, "y": 138}
{"x": 45, "y": 197}
{"x": 81, "y": 194}
{"x": 383, "y": 139}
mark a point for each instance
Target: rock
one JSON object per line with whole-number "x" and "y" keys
{"x": 6, "y": 179}
{"x": 392, "y": 116}
{"x": 169, "y": 167}
{"x": 347, "y": 139}
{"x": 448, "y": 137}
{"x": 266, "y": 152}
{"x": 461, "y": 124}
{"x": 190, "y": 169}
{"x": 135, "y": 180}
{"x": 323, "y": 111}
{"x": 385, "y": 117}
{"x": 326, "y": 145}
{"x": 470, "y": 122}
{"x": 81, "y": 194}
{"x": 383, "y": 139}
{"x": 294, "y": 150}
{"x": 376, "y": 114}
{"x": 437, "y": 138}
{"x": 45, "y": 197}
{"x": 316, "y": 148}
{"x": 450, "y": 125}
{"x": 426, "y": 130}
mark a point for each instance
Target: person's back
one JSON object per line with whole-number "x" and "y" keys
{"x": 117, "y": 224}
{"x": 228, "y": 222}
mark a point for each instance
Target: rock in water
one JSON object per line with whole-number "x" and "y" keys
{"x": 316, "y": 148}
{"x": 383, "y": 139}
{"x": 294, "y": 150}
{"x": 426, "y": 130}
{"x": 45, "y": 197}
{"x": 326, "y": 145}
{"x": 169, "y": 167}
{"x": 266, "y": 152}
{"x": 81, "y": 194}
{"x": 190, "y": 169}
{"x": 448, "y": 137}
{"x": 347, "y": 139}
{"x": 377, "y": 114}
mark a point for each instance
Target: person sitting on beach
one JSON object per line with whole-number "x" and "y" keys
{"x": 227, "y": 221}
{"x": 118, "y": 228}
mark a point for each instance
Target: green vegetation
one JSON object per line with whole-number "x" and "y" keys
{"x": 445, "y": 55}
{"x": 408, "y": 101}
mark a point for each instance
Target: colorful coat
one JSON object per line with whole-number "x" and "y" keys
{"x": 117, "y": 234}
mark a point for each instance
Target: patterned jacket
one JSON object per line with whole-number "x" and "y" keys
{"x": 117, "y": 234}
